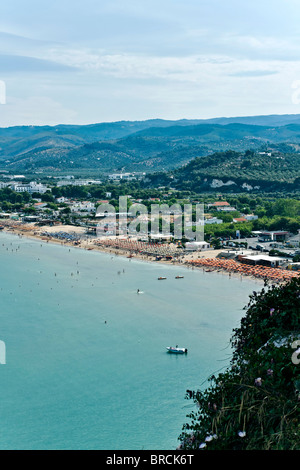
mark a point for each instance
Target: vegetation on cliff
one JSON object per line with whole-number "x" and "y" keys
{"x": 254, "y": 404}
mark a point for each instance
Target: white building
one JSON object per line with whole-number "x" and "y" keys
{"x": 197, "y": 246}
{"x": 73, "y": 182}
{"x": 213, "y": 220}
{"x": 226, "y": 209}
{"x": 61, "y": 199}
{"x": 122, "y": 176}
{"x": 272, "y": 261}
{"x": 4, "y": 185}
{"x": 250, "y": 217}
{"x": 85, "y": 206}
{"x": 32, "y": 187}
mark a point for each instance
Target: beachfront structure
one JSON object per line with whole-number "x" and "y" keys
{"x": 161, "y": 236}
{"x": 234, "y": 254}
{"x": 265, "y": 260}
{"x": 294, "y": 266}
{"x": 197, "y": 246}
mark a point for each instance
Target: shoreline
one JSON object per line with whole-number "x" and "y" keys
{"x": 206, "y": 261}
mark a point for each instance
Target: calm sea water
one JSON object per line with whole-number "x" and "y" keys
{"x": 86, "y": 361}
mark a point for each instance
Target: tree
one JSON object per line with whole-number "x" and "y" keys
{"x": 30, "y": 210}
{"x": 47, "y": 197}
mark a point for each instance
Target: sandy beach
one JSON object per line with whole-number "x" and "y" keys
{"x": 88, "y": 242}
{"x": 170, "y": 254}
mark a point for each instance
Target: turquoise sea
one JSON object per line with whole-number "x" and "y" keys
{"x": 86, "y": 361}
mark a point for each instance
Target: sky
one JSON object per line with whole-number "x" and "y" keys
{"x": 84, "y": 62}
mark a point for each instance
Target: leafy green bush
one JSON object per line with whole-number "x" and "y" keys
{"x": 254, "y": 404}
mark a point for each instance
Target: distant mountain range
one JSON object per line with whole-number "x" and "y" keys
{"x": 152, "y": 145}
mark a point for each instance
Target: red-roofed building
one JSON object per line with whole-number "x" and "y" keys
{"x": 221, "y": 206}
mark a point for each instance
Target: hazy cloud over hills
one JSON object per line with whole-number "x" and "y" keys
{"x": 84, "y": 62}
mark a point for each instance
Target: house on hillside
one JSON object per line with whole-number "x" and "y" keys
{"x": 221, "y": 206}
{"x": 213, "y": 220}
{"x": 40, "y": 205}
{"x": 250, "y": 217}
{"x": 218, "y": 204}
{"x": 85, "y": 206}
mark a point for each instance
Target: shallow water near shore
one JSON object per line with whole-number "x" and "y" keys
{"x": 86, "y": 361}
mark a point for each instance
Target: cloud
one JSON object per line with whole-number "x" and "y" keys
{"x": 190, "y": 68}
{"x": 139, "y": 59}
{"x": 253, "y": 73}
{"x": 34, "y": 110}
{"x": 14, "y": 63}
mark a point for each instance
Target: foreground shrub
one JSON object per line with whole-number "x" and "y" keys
{"x": 254, "y": 404}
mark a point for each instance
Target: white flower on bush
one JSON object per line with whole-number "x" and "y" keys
{"x": 211, "y": 437}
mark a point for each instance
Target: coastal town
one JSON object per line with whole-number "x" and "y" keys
{"x": 235, "y": 239}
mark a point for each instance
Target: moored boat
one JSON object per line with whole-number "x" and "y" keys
{"x": 179, "y": 277}
{"x": 177, "y": 350}
{"x": 160, "y": 278}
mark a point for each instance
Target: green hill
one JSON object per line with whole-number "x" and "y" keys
{"x": 234, "y": 171}
{"x": 154, "y": 145}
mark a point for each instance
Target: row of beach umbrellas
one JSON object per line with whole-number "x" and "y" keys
{"x": 259, "y": 271}
{"x": 140, "y": 247}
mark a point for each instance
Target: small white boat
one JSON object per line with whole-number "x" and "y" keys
{"x": 177, "y": 350}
